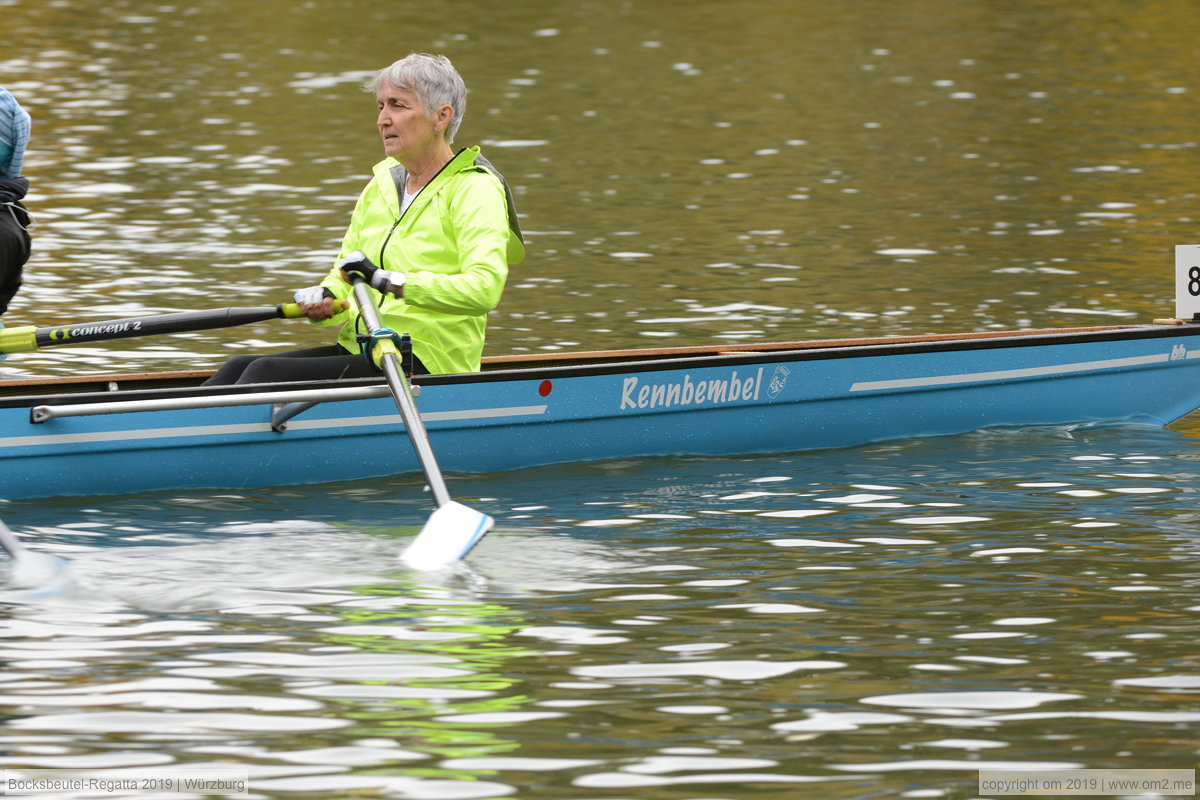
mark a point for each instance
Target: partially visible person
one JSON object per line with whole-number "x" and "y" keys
{"x": 433, "y": 234}
{"x": 14, "y": 219}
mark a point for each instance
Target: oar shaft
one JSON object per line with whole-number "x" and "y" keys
{"x": 150, "y": 326}
{"x": 27, "y": 339}
{"x": 412, "y": 420}
{"x": 389, "y": 362}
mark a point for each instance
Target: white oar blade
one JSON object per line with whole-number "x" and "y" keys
{"x": 30, "y": 569}
{"x": 448, "y": 535}
{"x": 38, "y": 570}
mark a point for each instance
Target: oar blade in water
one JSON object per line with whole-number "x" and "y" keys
{"x": 38, "y": 570}
{"x": 448, "y": 535}
{"x": 29, "y": 569}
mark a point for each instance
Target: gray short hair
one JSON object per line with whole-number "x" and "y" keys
{"x": 433, "y": 79}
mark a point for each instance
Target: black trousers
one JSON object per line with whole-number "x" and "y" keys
{"x": 14, "y": 249}
{"x": 329, "y": 362}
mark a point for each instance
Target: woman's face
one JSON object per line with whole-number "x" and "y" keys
{"x": 404, "y": 124}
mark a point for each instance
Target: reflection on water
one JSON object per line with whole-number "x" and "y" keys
{"x": 876, "y": 620}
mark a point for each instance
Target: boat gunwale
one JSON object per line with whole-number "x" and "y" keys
{"x": 545, "y": 366}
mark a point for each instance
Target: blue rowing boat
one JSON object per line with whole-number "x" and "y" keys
{"x": 116, "y": 434}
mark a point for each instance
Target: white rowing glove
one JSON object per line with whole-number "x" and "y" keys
{"x": 311, "y": 295}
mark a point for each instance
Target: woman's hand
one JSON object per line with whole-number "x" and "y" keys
{"x": 318, "y": 312}
{"x": 316, "y": 302}
{"x": 381, "y": 280}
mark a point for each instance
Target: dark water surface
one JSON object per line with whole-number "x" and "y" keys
{"x": 874, "y": 622}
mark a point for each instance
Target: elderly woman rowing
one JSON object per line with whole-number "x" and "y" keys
{"x": 433, "y": 233}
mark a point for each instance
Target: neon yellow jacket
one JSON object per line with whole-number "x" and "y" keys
{"x": 454, "y": 244}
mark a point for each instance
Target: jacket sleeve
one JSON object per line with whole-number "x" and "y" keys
{"x": 478, "y": 216}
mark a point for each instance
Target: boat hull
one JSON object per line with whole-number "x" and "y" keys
{"x": 649, "y": 403}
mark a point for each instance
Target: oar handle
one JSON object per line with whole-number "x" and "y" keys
{"x": 292, "y": 310}
{"x": 18, "y": 340}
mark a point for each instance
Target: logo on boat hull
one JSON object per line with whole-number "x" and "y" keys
{"x": 778, "y": 380}
{"x": 688, "y": 392}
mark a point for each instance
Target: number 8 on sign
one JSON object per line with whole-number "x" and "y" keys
{"x": 1187, "y": 281}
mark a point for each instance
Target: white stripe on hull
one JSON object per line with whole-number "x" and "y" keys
{"x": 262, "y": 427}
{"x": 1007, "y": 374}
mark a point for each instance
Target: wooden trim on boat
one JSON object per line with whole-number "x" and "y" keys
{"x": 103, "y": 383}
{"x": 118, "y": 378}
{"x": 563, "y": 357}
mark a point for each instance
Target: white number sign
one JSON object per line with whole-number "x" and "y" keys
{"x": 1187, "y": 281}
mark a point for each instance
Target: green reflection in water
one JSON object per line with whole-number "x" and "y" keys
{"x": 482, "y": 632}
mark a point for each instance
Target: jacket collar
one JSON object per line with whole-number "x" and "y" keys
{"x": 463, "y": 159}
